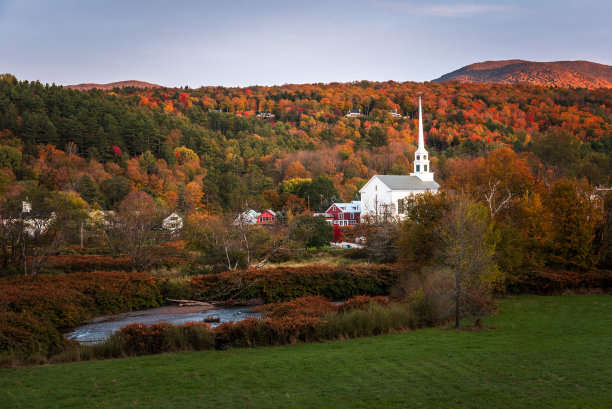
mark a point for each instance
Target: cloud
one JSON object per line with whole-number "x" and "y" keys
{"x": 462, "y": 10}
{"x": 456, "y": 10}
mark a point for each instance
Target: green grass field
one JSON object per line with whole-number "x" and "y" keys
{"x": 541, "y": 352}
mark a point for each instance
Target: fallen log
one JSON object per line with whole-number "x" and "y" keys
{"x": 189, "y": 303}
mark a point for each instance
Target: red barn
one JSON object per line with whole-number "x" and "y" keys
{"x": 344, "y": 214}
{"x": 267, "y": 217}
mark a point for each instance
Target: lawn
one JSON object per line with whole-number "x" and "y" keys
{"x": 540, "y": 352}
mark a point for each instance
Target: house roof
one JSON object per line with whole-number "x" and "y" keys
{"x": 405, "y": 182}
{"x": 354, "y": 206}
{"x": 269, "y": 211}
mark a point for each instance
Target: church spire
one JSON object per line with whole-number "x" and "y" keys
{"x": 421, "y": 137}
{"x": 421, "y": 160}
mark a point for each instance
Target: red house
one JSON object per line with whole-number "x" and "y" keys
{"x": 344, "y": 214}
{"x": 267, "y": 217}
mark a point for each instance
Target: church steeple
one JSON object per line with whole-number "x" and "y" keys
{"x": 421, "y": 160}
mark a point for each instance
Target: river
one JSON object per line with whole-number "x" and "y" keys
{"x": 99, "y": 329}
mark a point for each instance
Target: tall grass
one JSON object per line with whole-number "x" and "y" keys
{"x": 299, "y": 322}
{"x": 374, "y": 320}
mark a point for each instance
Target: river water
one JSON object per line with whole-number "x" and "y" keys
{"x": 101, "y": 329}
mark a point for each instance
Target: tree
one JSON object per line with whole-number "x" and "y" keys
{"x": 192, "y": 197}
{"x": 337, "y": 234}
{"x": 115, "y": 189}
{"x": 88, "y": 190}
{"x": 44, "y": 225}
{"x": 312, "y": 231}
{"x": 135, "y": 230}
{"x": 296, "y": 171}
{"x": 227, "y": 242}
{"x": 9, "y": 157}
{"x": 377, "y": 137}
{"x": 468, "y": 254}
{"x": 418, "y": 238}
{"x": 575, "y": 219}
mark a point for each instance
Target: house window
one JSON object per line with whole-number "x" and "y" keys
{"x": 340, "y": 216}
{"x": 418, "y": 168}
{"x": 418, "y": 157}
{"x": 352, "y": 215}
{"x": 425, "y": 168}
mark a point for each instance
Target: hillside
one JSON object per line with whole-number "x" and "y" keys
{"x": 565, "y": 74}
{"x": 111, "y": 85}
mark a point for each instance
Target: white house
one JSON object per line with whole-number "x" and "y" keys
{"x": 265, "y": 115}
{"x": 173, "y": 222}
{"x": 354, "y": 113}
{"x": 382, "y": 195}
{"x": 248, "y": 217}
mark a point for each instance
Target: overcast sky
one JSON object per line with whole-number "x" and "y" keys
{"x": 231, "y": 43}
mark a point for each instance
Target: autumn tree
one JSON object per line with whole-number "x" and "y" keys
{"x": 46, "y": 222}
{"x": 192, "y": 197}
{"x": 230, "y": 241}
{"x": 575, "y": 219}
{"x": 467, "y": 252}
{"x": 135, "y": 230}
{"x": 296, "y": 171}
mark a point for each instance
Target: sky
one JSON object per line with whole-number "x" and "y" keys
{"x": 242, "y": 43}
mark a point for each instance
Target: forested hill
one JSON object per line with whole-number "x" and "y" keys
{"x": 113, "y": 85}
{"x": 168, "y": 141}
{"x": 566, "y": 74}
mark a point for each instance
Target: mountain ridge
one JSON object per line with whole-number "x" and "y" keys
{"x": 111, "y": 85}
{"x": 563, "y": 74}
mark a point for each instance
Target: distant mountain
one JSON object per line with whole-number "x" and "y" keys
{"x": 565, "y": 74}
{"x": 110, "y": 86}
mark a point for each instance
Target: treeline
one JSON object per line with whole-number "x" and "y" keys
{"x": 532, "y": 156}
{"x": 161, "y": 140}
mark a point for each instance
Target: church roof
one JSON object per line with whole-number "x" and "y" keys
{"x": 407, "y": 182}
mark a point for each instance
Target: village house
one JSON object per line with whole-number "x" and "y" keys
{"x": 265, "y": 115}
{"x": 267, "y": 217}
{"x": 354, "y": 113}
{"x": 383, "y": 195}
{"x": 33, "y": 222}
{"x": 248, "y": 217}
{"x": 173, "y": 222}
{"x": 343, "y": 214}
{"x": 396, "y": 114}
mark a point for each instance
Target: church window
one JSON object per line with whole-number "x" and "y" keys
{"x": 418, "y": 157}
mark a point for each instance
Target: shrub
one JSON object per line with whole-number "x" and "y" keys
{"x": 141, "y": 339}
{"x": 32, "y": 308}
{"x": 175, "y": 288}
{"x": 286, "y": 283}
{"x": 556, "y": 281}
{"x": 362, "y": 302}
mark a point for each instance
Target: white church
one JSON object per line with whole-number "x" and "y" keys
{"x": 382, "y": 194}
